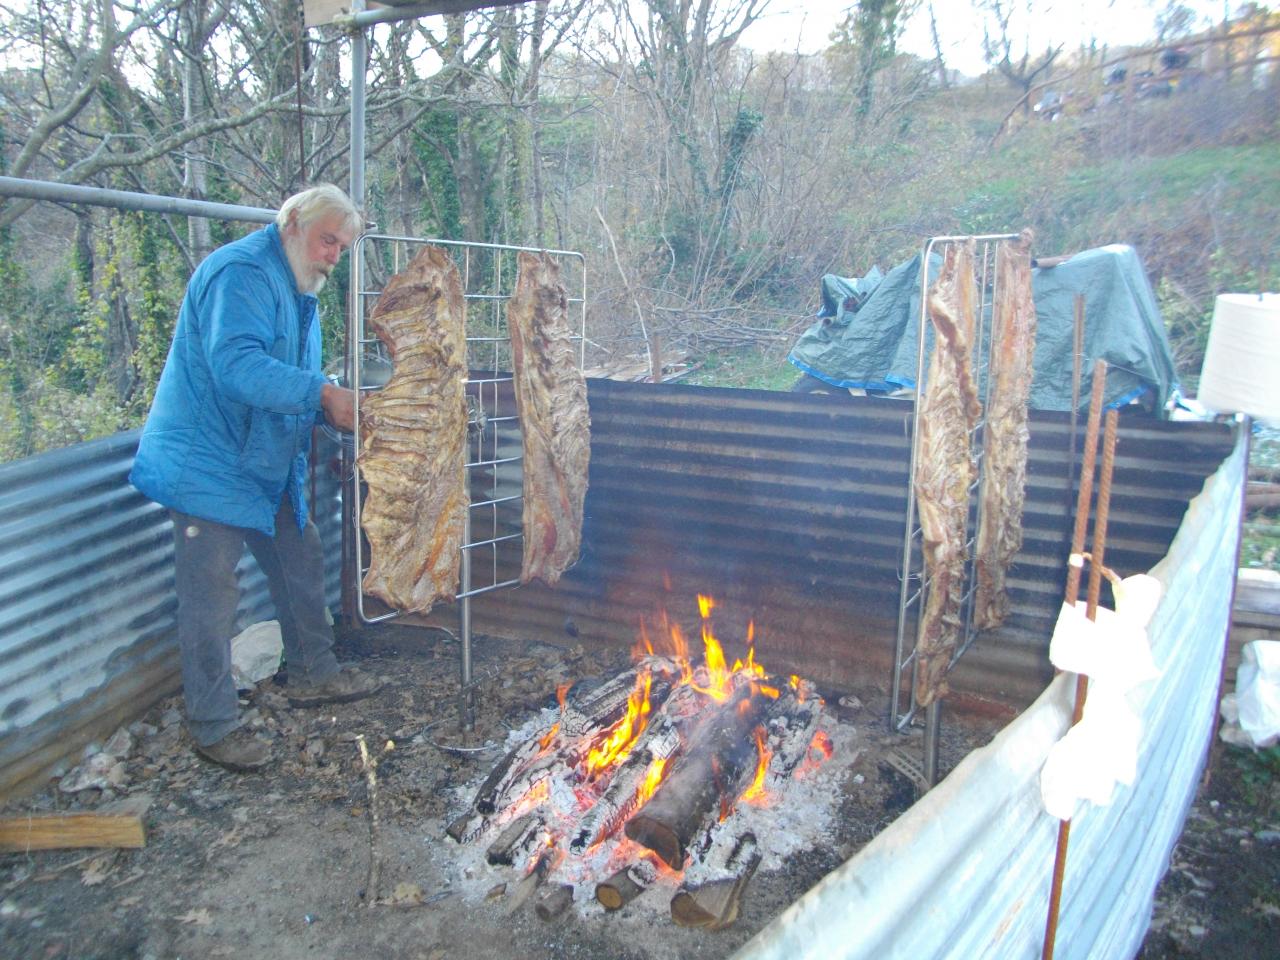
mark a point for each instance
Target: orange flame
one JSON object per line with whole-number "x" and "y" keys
{"x": 562, "y": 691}
{"x": 546, "y": 740}
{"x": 624, "y": 733}
{"x": 756, "y": 793}
{"x": 643, "y": 647}
{"x": 651, "y": 780}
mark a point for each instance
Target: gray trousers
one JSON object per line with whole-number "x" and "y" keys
{"x": 206, "y": 554}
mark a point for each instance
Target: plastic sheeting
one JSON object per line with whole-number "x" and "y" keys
{"x": 867, "y": 330}
{"x": 965, "y": 873}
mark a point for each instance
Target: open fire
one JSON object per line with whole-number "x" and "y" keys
{"x": 649, "y": 780}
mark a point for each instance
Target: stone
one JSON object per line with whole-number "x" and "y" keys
{"x": 120, "y": 744}
{"x": 101, "y": 771}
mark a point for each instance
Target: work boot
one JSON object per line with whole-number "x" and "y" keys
{"x": 239, "y": 750}
{"x": 344, "y": 686}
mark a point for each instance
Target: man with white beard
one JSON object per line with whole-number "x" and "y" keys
{"x": 225, "y": 449}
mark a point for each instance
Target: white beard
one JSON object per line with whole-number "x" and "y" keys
{"x": 308, "y": 278}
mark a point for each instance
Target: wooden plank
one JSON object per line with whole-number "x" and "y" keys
{"x": 64, "y": 831}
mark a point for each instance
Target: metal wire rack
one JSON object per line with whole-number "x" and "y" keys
{"x": 492, "y": 538}
{"x": 914, "y": 581}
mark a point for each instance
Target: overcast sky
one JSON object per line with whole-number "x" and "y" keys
{"x": 807, "y": 25}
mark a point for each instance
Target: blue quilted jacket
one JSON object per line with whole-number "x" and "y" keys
{"x": 230, "y": 428}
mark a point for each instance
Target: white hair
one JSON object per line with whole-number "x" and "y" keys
{"x": 312, "y": 204}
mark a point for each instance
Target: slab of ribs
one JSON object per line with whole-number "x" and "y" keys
{"x": 949, "y": 410}
{"x": 551, "y": 399}
{"x": 1004, "y": 476}
{"x": 413, "y": 436}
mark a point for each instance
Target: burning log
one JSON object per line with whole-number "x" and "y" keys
{"x": 565, "y": 743}
{"x": 547, "y": 861}
{"x": 792, "y": 728}
{"x": 517, "y": 835}
{"x": 704, "y": 775}
{"x": 554, "y": 901}
{"x": 626, "y": 791}
{"x": 625, "y": 885}
{"x": 714, "y": 905}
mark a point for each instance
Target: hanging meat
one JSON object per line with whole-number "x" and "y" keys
{"x": 413, "y": 436}
{"x": 1004, "y": 476}
{"x": 551, "y": 399}
{"x": 949, "y": 410}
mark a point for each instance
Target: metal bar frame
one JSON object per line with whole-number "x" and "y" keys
{"x": 914, "y": 584}
{"x": 494, "y": 443}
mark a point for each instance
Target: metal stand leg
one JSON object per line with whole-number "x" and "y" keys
{"x": 932, "y": 727}
{"x": 466, "y": 698}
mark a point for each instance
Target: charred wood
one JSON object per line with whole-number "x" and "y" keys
{"x": 715, "y": 905}
{"x": 710, "y": 770}
{"x": 515, "y": 837}
{"x": 553, "y": 902}
{"x": 624, "y": 886}
{"x": 546, "y": 862}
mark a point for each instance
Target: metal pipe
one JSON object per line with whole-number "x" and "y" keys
{"x": 359, "y": 69}
{"x": 932, "y": 727}
{"x": 359, "y": 18}
{"x": 465, "y": 702}
{"x": 127, "y": 200}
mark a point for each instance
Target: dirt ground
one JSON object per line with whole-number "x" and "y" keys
{"x": 277, "y": 864}
{"x": 1221, "y": 896}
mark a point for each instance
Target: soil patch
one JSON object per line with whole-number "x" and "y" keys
{"x": 277, "y": 864}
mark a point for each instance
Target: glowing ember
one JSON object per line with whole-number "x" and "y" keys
{"x": 624, "y": 733}
{"x": 550, "y": 735}
{"x": 584, "y": 776}
{"x": 755, "y": 793}
{"x": 819, "y": 752}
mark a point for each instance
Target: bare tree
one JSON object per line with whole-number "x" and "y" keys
{"x": 1012, "y": 59}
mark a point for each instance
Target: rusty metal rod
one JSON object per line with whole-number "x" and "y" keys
{"x": 1077, "y": 362}
{"x": 1085, "y": 496}
{"x": 1082, "y": 682}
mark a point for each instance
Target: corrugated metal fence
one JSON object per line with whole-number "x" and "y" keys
{"x": 86, "y": 598}
{"x": 789, "y": 510}
{"x": 786, "y": 508}
{"x": 965, "y": 873}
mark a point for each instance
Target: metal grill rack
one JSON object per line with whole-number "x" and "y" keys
{"x": 915, "y": 583}
{"x": 492, "y": 536}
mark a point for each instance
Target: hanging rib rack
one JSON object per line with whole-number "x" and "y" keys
{"x": 915, "y": 582}
{"x": 492, "y": 536}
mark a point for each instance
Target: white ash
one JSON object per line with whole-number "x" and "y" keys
{"x": 794, "y": 816}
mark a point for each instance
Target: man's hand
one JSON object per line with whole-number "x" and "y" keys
{"x": 339, "y": 405}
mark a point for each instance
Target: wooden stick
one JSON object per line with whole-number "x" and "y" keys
{"x": 714, "y": 905}
{"x": 624, "y": 886}
{"x": 502, "y": 851}
{"x": 375, "y": 858}
{"x": 554, "y": 901}
{"x": 65, "y": 831}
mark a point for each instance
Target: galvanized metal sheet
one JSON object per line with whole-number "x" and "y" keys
{"x": 789, "y": 508}
{"x": 86, "y": 597}
{"x": 965, "y": 873}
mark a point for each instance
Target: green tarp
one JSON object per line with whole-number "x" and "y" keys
{"x": 866, "y": 333}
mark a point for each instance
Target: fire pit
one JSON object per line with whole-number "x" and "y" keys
{"x": 670, "y": 777}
